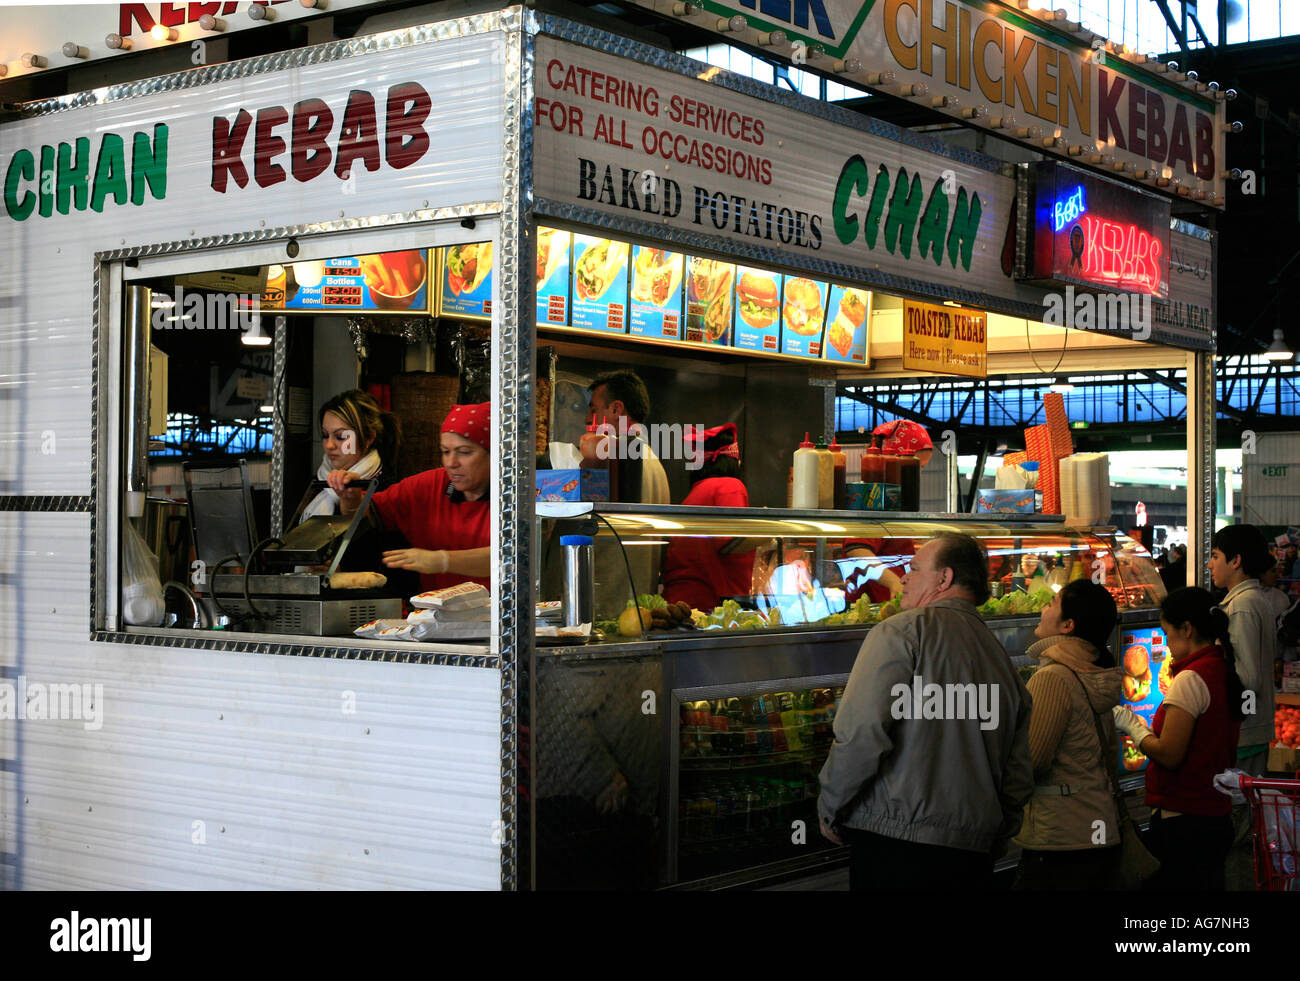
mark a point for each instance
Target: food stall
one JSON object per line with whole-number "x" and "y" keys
{"x": 591, "y": 202}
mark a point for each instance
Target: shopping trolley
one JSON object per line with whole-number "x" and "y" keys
{"x": 1275, "y": 820}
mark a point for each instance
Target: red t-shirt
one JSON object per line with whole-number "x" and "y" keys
{"x": 693, "y": 569}
{"x": 420, "y": 509}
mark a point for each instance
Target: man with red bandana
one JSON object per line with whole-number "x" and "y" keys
{"x": 443, "y": 513}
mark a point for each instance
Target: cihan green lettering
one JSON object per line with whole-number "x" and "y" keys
{"x": 939, "y": 229}
{"x": 71, "y": 176}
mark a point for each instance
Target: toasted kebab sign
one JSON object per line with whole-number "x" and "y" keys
{"x": 1033, "y": 77}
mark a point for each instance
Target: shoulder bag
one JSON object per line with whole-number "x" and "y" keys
{"x": 1136, "y": 864}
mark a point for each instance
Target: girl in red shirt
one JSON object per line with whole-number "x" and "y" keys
{"x": 694, "y": 569}
{"x": 1192, "y": 737}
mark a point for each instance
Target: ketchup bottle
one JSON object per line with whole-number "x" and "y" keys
{"x": 893, "y": 473}
{"x": 873, "y": 464}
{"x": 840, "y": 495}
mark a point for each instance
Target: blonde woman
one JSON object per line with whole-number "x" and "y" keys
{"x": 356, "y": 436}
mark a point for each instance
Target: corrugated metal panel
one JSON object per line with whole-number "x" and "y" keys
{"x": 214, "y": 771}
{"x": 1270, "y": 480}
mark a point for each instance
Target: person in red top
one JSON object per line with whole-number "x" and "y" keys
{"x": 1192, "y": 738}
{"x": 443, "y": 513}
{"x": 906, "y": 436}
{"x": 694, "y": 569}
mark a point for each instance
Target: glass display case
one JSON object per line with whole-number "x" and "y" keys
{"x": 661, "y": 572}
{"x": 748, "y": 759}
{"x": 744, "y": 625}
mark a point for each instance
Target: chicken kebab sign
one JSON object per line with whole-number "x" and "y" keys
{"x": 653, "y": 146}
{"x": 1031, "y": 74}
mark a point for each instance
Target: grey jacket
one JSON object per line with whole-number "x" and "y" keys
{"x": 1252, "y": 628}
{"x": 957, "y": 776}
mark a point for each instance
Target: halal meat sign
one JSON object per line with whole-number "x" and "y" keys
{"x": 1095, "y": 233}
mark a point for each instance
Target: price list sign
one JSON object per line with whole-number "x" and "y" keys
{"x": 600, "y": 284}
{"x": 656, "y": 305}
{"x": 553, "y": 276}
{"x": 386, "y": 281}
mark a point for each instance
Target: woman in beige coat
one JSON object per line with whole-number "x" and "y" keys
{"x": 1070, "y": 836}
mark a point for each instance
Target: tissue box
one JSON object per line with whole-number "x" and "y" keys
{"x": 1020, "y": 501}
{"x": 573, "y": 485}
{"x": 874, "y": 496}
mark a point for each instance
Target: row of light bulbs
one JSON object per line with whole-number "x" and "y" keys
{"x": 919, "y": 90}
{"x": 159, "y": 32}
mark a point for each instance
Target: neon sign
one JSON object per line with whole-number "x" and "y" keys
{"x": 1119, "y": 253}
{"x": 1066, "y": 211}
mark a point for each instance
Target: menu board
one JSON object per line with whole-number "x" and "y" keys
{"x": 1146, "y": 663}
{"x": 803, "y": 316}
{"x": 757, "y": 305}
{"x": 709, "y": 300}
{"x": 600, "y": 284}
{"x": 846, "y": 331}
{"x": 655, "y": 309}
{"x": 466, "y": 281}
{"x": 553, "y": 276}
{"x": 386, "y": 281}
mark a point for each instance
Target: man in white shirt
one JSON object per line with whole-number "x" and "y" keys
{"x": 619, "y": 399}
{"x": 621, "y": 395}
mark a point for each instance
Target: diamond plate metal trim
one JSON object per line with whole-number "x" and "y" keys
{"x": 279, "y": 436}
{"x": 593, "y": 37}
{"x": 514, "y": 354}
{"x": 442, "y": 658}
{"x": 74, "y": 504}
{"x": 278, "y": 61}
{"x": 451, "y": 213}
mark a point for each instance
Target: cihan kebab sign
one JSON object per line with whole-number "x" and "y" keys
{"x": 1030, "y": 76}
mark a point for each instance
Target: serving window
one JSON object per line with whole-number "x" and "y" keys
{"x": 216, "y": 369}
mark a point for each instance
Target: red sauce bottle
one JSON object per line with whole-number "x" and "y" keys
{"x": 873, "y": 464}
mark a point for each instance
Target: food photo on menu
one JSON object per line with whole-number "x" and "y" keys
{"x": 553, "y": 275}
{"x": 600, "y": 283}
{"x": 803, "y": 315}
{"x": 1146, "y": 663}
{"x": 466, "y": 279}
{"x": 709, "y": 301}
{"x": 758, "y": 308}
{"x": 846, "y": 335}
{"x": 656, "y": 301}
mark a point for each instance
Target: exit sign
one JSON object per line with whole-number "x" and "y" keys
{"x": 1274, "y": 471}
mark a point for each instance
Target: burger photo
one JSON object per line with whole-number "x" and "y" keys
{"x": 1137, "y": 661}
{"x": 803, "y": 313}
{"x": 1136, "y": 689}
{"x": 759, "y": 299}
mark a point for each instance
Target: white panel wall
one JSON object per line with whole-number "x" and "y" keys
{"x": 1270, "y": 480}
{"x": 46, "y": 263}
{"x": 228, "y": 771}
